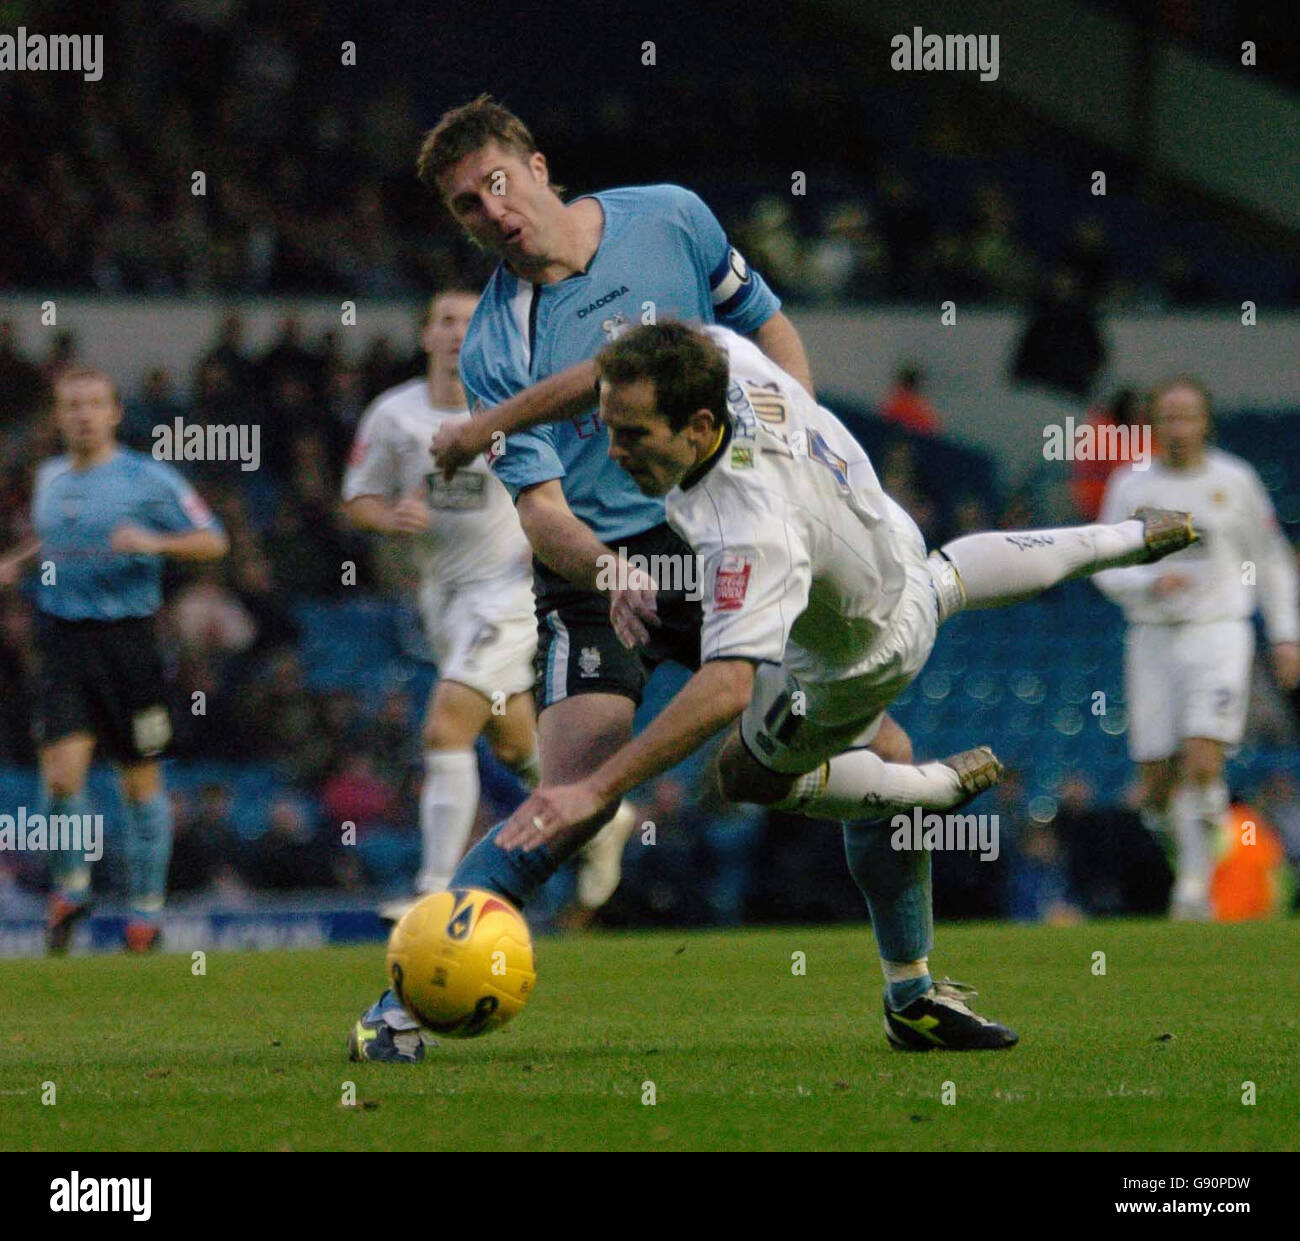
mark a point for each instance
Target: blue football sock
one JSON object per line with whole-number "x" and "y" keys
{"x": 69, "y": 870}
{"x": 516, "y": 875}
{"x": 388, "y": 1009}
{"x": 896, "y": 883}
{"x": 900, "y": 994}
{"x": 148, "y": 851}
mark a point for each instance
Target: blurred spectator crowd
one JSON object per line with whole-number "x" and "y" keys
{"x": 306, "y": 170}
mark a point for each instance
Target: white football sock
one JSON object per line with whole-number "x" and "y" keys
{"x": 1196, "y": 814}
{"x": 905, "y": 971}
{"x": 448, "y": 803}
{"x": 861, "y": 785}
{"x": 1001, "y": 567}
{"x": 1156, "y": 822}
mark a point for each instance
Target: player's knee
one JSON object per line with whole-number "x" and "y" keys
{"x": 892, "y": 743}
{"x": 441, "y": 733}
{"x": 511, "y": 752}
{"x": 1201, "y": 767}
{"x": 63, "y": 783}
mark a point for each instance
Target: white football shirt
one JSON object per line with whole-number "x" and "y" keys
{"x": 474, "y": 534}
{"x": 794, "y": 534}
{"x": 1231, "y": 509}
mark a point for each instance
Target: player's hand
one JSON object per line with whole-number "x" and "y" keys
{"x": 457, "y": 443}
{"x": 1286, "y": 664}
{"x": 548, "y": 812}
{"x": 135, "y": 541}
{"x": 634, "y": 608}
{"x": 1170, "y": 583}
{"x": 410, "y": 516}
{"x": 9, "y": 573}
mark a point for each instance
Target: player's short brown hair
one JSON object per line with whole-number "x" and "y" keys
{"x": 79, "y": 370}
{"x": 688, "y": 370}
{"x": 468, "y": 128}
{"x": 451, "y": 288}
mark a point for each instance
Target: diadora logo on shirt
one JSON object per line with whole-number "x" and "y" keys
{"x": 602, "y": 301}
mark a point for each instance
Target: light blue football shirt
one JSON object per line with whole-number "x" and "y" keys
{"x": 661, "y": 247}
{"x": 75, "y": 513}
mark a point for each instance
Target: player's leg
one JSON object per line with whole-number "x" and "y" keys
{"x": 891, "y": 742}
{"x": 131, "y": 694}
{"x": 149, "y": 829}
{"x": 788, "y": 720}
{"x": 449, "y": 794}
{"x": 513, "y": 735}
{"x": 995, "y": 569}
{"x": 588, "y": 686}
{"x": 69, "y": 723}
{"x": 575, "y": 735}
{"x": 64, "y": 764}
{"x": 919, "y": 1013}
{"x": 1152, "y": 691}
{"x": 1156, "y": 782}
{"x": 1196, "y": 810}
{"x": 484, "y": 637}
{"x": 1214, "y": 663}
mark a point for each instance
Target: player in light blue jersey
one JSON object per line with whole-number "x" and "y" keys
{"x": 104, "y": 518}
{"x": 572, "y": 276}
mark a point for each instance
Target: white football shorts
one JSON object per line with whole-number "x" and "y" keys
{"x": 799, "y": 716}
{"x": 483, "y": 634}
{"x": 1188, "y": 680}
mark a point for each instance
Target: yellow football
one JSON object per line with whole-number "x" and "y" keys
{"x": 461, "y": 962}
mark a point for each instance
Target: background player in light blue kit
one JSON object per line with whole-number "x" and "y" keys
{"x": 104, "y": 518}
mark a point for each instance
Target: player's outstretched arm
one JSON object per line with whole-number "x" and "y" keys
{"x": 192, "y": 545}
{"x": 707, "y": 703}
{"x": 381, "y": 515}
{"x": 779, "y": 339}
{"x": 12, "y": 563}
{"x": 566, "y": 394}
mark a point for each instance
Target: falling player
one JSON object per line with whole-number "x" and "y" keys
{"x": 105, "y": 518}
{"x": 475, "y": 587}
{"x": 820, "y": 606}
{"x": 1190, "y": 643}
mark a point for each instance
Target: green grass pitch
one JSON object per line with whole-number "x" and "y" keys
{"x": 743, "y": 1053}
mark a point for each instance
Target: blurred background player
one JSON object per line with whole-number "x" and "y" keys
{"x": 475, "y": 587}
{"x": 1190, "y": 641}
{"x": 104, "y": 518}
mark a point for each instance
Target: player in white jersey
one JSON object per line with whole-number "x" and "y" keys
{"x": 820, "y": 606}
{"x": 1190, "y": 641}
{"x": 475, "y": 585}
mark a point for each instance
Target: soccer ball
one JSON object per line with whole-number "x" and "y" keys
{"x": 461, "y": 962}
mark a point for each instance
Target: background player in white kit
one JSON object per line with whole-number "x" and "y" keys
{"x": 475, "y": 586}
{"x": 820, "y": 606}
{"x": 1190, "y": 641}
